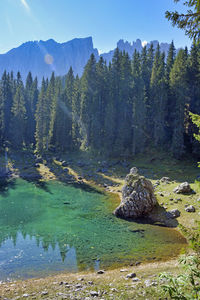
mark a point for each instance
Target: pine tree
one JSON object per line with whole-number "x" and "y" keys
{"x": 51, "y": 109}
{"x": 112, "y": 117}
{"x": 139, "y": 132}
{"x": 68, "y": 96}
{"x": 170, "y": 101}
{"x": 100, "y": 105}
{"x": 194, "y": 96}
{"x": 158, "y": 98}
{"x": 88, "y": 98}
{"x": 6, "y": 100}
{"x": 146, "y": 69}
{"x": 41, "y": 117}
{"x": 178, "y": 84}
{"x": 77, "y": 126}
{"x": 58, "y": 136}
{"x": 31, "y": 98}
{"x": 18, "y": 117}
{"x": 125, "y": 105}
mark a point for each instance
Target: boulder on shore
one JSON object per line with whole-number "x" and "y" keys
{"x": 190, "y": 208}
{"x": 174, "y": 213}
{"x": 138, "y": 197}
{"x": 183, "y": 188}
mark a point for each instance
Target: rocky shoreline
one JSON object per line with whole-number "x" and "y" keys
{"x": 132, "y": 282}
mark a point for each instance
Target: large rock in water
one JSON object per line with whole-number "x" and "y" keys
{"x": 138, "y": 197}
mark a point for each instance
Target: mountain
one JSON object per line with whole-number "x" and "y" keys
{"x": 137, "y": 45}
{"x": 43, "y": 57}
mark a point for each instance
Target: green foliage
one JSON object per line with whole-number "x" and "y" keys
{"x": 193, "y": 236}
{"x": 190, "y": 21}
{"x": 186, "y": 285}
{"x": 196, "y": 120}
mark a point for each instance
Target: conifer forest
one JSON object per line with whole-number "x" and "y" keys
{"x": 120, "y": 109}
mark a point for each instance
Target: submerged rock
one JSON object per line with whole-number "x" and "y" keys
{"x": 138, "y": 197}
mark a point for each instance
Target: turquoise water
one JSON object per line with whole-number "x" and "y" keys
{"x": 56, "y": 227}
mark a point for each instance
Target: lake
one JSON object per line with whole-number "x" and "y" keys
{"x": 53, "y": 227}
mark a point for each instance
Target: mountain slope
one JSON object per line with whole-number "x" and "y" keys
{"x": 43, "y": 57}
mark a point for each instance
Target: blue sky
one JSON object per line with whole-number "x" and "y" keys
{"x": 106, "y": 21}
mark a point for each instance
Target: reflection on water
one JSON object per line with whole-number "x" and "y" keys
{"x": 40, "y": 234}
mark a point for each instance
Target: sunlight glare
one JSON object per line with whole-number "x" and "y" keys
{"x": 48, "y": 59}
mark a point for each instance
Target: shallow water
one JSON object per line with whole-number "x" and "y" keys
{"x": 57, "y": 227}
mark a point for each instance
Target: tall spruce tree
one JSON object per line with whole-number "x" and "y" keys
{"x": 124, "y": 109}
{"x": 112, "y": 118}
{"x": 139, "y": 109}
{"x": 77, "y": 126}
{"x": 178, "y": 84}
{"x": 99, "y": 106}
{"x": 6, "y": 101}
{"x": 18, "y": 116}
{"x": 31, "y": 98}
{"x": 158, "y": 98}
{"x": 42, "y": 119}
{"x": 194, "y": 96}
{"x": 88, "y": 99}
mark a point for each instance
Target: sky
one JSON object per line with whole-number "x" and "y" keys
{"x": 106, "y": 21}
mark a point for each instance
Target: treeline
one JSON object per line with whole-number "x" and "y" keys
{"x": 124, "y": 108}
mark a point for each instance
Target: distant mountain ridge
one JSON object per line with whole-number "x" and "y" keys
{"x": 137, "y": 45}
{"x": 43, "y": 57}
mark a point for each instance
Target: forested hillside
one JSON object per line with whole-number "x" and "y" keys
{"x": 121, "y": 109}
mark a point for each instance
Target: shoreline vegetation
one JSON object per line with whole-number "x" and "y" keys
{"x": 107, "y": 176}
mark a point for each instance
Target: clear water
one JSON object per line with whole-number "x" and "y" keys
{"x": 57, "y": 227}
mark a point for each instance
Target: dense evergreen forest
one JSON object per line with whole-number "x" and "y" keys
{"x": 121, "y": 109}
